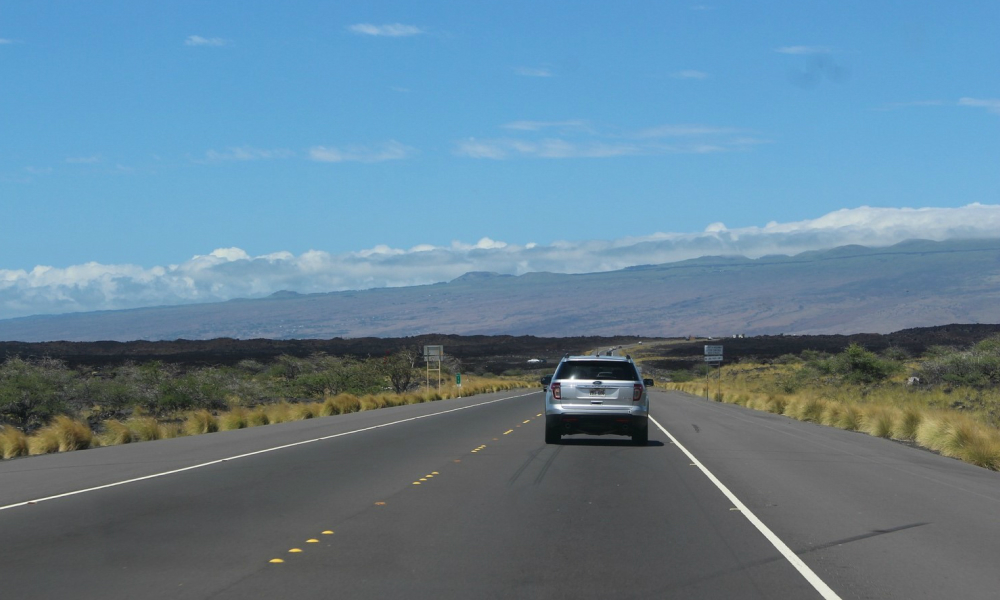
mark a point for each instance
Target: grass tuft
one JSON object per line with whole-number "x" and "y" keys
{"x": 63, "y": 434}
{"x": 145, "y": 429}
{"x": 258, "y": 417}
{"x": 116, "y": 433}
{"x": 904, "y": 426}
{"x": 234, "y": 419}
{"x": 43, "y": 441}
{"x": 200, "y": 421}
{"x": 877, "y": 420}
{"x": 341, "y": 404}
{"x": 850, "y": 419}
{"x": 372, "y": 402}
{"x": 13, "y": 442}
{"x": 301, "y": 412}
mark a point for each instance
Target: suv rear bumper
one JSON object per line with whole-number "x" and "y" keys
{"x": 617, "y": 423}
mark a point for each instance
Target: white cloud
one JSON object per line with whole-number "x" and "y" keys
{"x": 83, "y": 160}
{"x": 228, "y": 273}
{"x": 804, "y": 50}
{"x": 390, "y": 30}
{"x": 578, "y": 139}
{"x": 575, "y": 125}
{"x": 245, "y": 153}
{"x": 683, "y": 131}
{"x": 910, "y": 104}
{"x": 197, "y": 40}
{"x": 990, "y": 104}
{"x": 533, "y": 71}
{"x": 690, "y": 74}
{"x": 546, "y": 148}
{"x": 391, "y": 150}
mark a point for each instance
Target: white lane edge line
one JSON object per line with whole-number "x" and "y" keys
{"x": 814, "y": 580}
{"x": 254, "y": 453}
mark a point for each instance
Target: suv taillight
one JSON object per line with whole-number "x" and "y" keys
{"x": 556, "y": 391}
{"x": 636, "y": 392}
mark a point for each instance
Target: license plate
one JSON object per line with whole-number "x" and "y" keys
{"x": 597, "y": 392}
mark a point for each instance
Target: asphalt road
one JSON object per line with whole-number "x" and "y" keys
{"x": 462, "y": 499}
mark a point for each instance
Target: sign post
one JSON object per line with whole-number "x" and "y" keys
{"x": 433, "y": 354}
{"x": 713, "y": 354}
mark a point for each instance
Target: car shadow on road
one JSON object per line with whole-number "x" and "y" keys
{"x": 603, "y": 442}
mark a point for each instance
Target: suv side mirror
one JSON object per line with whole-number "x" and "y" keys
{"x": 647, "y": 382}
{"x": 546, "y": 380}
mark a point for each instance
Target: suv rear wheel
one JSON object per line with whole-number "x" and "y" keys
{"x": 640, "y": 437}
{"x": 552, "y": 435}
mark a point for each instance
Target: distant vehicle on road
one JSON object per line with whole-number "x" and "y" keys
{"x": 597, "y": 396}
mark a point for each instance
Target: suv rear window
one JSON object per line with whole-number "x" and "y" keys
{"x": 597, "y": 369}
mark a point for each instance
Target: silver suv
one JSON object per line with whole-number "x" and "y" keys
{"x": 597, "y": 395}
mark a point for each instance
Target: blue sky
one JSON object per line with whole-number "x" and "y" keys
{"x": 143, "y": 140}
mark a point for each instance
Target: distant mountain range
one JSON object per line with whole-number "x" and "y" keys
{"x": 844, "y": 290}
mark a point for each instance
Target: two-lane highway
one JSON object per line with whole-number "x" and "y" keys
{"x": 462, "y": 498}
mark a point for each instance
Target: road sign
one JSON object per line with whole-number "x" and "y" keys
{"x": 715, "y": 358}
{"x": 713, "y": 350}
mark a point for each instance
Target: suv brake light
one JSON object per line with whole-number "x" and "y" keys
{"x": 556, "y": 391}
{"x": 636, "y": 392}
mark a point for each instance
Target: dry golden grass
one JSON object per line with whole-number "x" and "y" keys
{"x": 341, "y": 404}
{"x": 258, "y": 417}
{"x": 116, "y": 433}
{"x": 145, "y": 429}
{"x": 906, "y": 423}
{"x": 43, "y": 441}
{"x": 877, "y": 420}
{"x": 200, "y": 421}
{"x": 278, "y": 413}
{"x": 300, "y": 412}
{"x": 172, "y": 430}
{"x": 372, "y": 402}
{"x": 63, "y": 434}
{"x": 13, "y": 442}
{"x": 233, "y": 419}
{"x": 891, "y": 410}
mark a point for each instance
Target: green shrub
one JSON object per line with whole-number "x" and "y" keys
{"x": 858, "y": 365}
{"x": 33, "y": 392}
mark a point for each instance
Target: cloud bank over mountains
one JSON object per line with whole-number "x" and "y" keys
{"x": 228, "y": 273}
